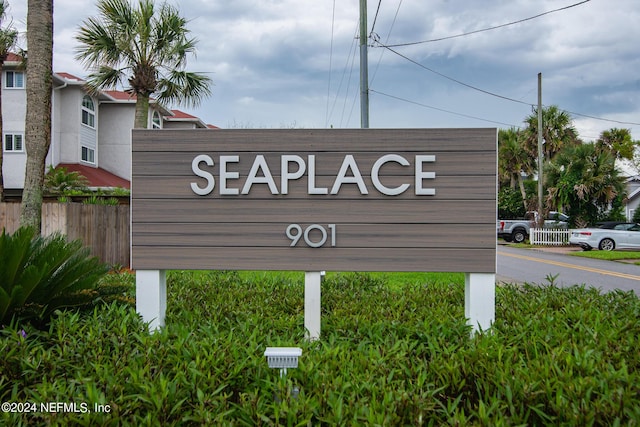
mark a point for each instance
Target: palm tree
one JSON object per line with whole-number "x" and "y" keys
{"x": 8, "y": 38}
{"x": 583, "y": 181}
{"x": 513, "y": 159}
{"x": 557, "y": 132}
{"x": 39, "y": 86}
{"x": 147, "y": 47}
{"x": 618, "y": 142}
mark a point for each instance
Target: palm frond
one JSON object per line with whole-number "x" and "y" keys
{"x": 184, "y": 88}
{"x": 144, "y": 46}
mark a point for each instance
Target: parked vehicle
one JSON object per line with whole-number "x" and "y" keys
{"x": 613, "y": 224}
{"x": 622, "y": 236}
{"x": 517, "y": 230}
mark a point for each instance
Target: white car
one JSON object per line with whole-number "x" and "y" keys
{"x": 622, "y": 236}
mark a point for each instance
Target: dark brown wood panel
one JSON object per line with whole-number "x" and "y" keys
{"x": 447, "y": 188}
{"x": 306, "y": 259}
{"x": 453, "y": 230}
{"x": 315, "y": 140}
{"x": 216, "y": 210}
{"x": 238, "y": 235}
{"x": 447, "y": 162}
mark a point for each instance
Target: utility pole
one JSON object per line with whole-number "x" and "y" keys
{"x": 364, "y": 68}
{"x": 540, "y": 153}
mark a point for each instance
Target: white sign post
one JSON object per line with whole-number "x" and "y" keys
{"x": 312, "y": 303}
{"x": 479, "y": 300}
{"x": 151, "y": 296}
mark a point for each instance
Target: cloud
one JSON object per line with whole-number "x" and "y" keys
{"x": 277, "y": 62}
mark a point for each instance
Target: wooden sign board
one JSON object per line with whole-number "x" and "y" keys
{"x": 312, "y": 200}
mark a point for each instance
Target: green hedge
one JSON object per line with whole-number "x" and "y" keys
{"x": 387, "y": 356}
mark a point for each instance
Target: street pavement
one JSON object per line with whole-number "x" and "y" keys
{"x": 541, "y": 265}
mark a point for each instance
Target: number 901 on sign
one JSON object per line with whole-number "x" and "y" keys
{"x": 314, "y": 235}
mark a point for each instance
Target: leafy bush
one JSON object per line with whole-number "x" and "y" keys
{"x": 97, "y": 200}
{"x": 39, "y": 275}
{"x": 510, "y": 204}
{"x": 59, "y": 181}
{"x": 400, "y": 356}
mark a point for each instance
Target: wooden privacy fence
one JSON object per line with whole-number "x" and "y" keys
{"x": 550, "y": 236}
{"x": 103, "y": 229}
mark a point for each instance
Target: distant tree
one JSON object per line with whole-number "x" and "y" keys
{"x": 510, "y": 204}
{"x": 583, "y": 182}
{"x": 618, "y": 142}
{"x": 39, "y": 85}
{"x": 8, "y": 38}
{"x": 558, "y": 132}
{"x": 147, "y": 48}
{"x": 514, "y": 160}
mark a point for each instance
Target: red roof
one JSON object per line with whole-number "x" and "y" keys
{"x": 97, "y": 177}
{"x": 69, "y": 76}
{"x": 177, "y": 114}
{"x": 181, "y": 116}
{"x": 120, "y": 95}
{"x": 12, "y": 57}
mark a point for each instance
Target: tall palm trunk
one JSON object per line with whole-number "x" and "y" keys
{"x": 2, "y": 58}
{"x": 38, "y": 127}
{"x": 142, "y": 111}
{"x": 523, "y": 192}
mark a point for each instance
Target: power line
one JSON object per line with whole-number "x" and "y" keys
{"x": 376, "y": 17}
{"x": 443, "y": 110}
{"x": 452, "y": 79}
{"x": 375, "y": 36}
{"x": 349, "y": 68}
{"x": 333, "y": 21}
{"x": 490, "y": 28}
{"x": 495, "y": 94}
{"x": 603, "y": 119}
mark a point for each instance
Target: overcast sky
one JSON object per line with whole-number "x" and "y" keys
{"x": 295, "y": 63}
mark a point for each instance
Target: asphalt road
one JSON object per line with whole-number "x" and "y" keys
{"x": 516, "y": 265}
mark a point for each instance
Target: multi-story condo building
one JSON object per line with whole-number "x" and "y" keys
{"x": 89, "y": 134}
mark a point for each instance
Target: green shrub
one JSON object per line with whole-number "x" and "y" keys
{"x": 39, "y": 275}
{"x": 399, "y": 356}
{"x": 60, "y": 181}
{"x": 510, "y": 203}
{"x": 98, "y": 200}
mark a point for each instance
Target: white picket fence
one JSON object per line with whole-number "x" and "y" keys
{"x": 549, "y": 236}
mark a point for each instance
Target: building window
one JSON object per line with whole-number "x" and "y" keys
{"x": 88, "y": 112}
{"x": 156, "y": 123}
{"x": 13, "y": 142}
{"x": 14, "y": 80}
{"x": 88, "y": 155}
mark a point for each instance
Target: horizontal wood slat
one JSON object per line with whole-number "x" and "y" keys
{"x": 215, "y": 210}
{"x": 348, "y": 235}
{"x": 315, "y": 140}
{"x": 447, "y": 162}
{"x": 307, "y": 259}
{"x": 447, "y": 188}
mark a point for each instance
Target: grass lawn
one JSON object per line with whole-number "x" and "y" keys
{"x": 610, "y": 255}
{"x": 394, "y": 350}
